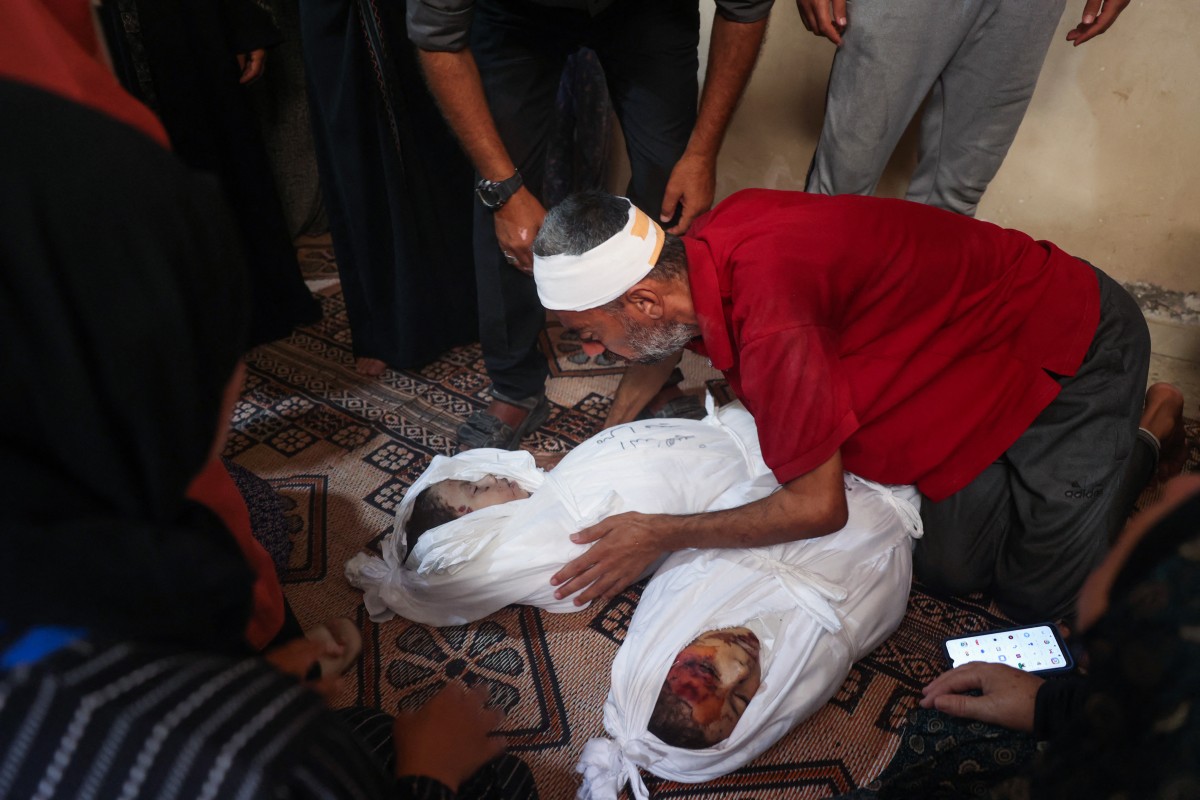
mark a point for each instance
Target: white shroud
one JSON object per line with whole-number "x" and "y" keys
{"x": 817, "y": 605}
{"x": 466, "y": 569}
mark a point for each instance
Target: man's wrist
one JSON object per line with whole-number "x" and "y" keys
{"x": 703, "y": 156}
{"x": 676, "y": 531}
{"x": 494, "y": 194}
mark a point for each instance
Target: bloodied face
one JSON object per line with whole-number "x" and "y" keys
{"x": 716, "y": 676}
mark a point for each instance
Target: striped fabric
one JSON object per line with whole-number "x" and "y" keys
{"x": 124, "y": 721}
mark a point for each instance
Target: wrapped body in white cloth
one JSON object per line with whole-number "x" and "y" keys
{"x": 813, "y": 608}
{"x": 475, "y": 565}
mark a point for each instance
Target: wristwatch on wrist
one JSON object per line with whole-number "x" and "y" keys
{"x": 494, "y": 194}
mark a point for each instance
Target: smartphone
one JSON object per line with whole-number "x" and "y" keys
{"x": 1035, "y": 648}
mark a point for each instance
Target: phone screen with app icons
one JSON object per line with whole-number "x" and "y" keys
{"x": 1037, "y": 648}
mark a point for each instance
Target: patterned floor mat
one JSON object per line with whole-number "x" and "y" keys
{"x": 341, "y": 449}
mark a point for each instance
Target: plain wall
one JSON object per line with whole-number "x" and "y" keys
{"x": 1105, "y": 164}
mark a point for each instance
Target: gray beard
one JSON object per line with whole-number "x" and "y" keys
{"x": 653, "y": 343}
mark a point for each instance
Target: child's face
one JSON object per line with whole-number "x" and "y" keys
{"x": 467, "y": 496}
{"x": 717, "y": 675}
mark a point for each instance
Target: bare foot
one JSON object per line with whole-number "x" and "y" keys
{"x": 343, "y": 644}
{"x": 371, "y": 367}
{"x": 1163, "y": 417}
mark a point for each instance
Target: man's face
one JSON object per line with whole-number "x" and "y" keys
{"x": 717, "y": 675}
{"x": 644, "y": 342}
{"x": 467, "y": 496}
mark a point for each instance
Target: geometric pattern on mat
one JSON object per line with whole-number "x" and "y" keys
{"x": 341, "y": 450}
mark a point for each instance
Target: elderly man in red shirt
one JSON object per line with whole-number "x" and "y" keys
{"x": 1001, "y": 375}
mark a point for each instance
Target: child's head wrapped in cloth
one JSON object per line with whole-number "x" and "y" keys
{"x": 451, "y": 498}
{"x": 473, "y": 564}
{"x": 730, "y": 649}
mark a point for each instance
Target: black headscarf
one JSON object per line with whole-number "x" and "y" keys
{"x": 1138, "y": 731}
{"x": 122, "y": 316}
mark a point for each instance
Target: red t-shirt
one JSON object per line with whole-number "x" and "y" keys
{"x": 916, "y": 340}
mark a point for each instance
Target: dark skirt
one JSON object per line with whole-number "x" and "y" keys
{"x": 397, "y": 187}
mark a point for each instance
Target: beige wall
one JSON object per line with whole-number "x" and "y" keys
{"x": 1107, "y": 163}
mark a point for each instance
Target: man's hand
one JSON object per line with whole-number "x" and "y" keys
{"x": 252, "y": 65}
{"x": 828, "y": 17}
{"x": 454, "y": 80}
{"x": 448, "y": 739}
{"x": 691, "y": 185}
{"x": 1098, "y": 16}
{"x": 732, "y": 52}
{"x": 1007, "y": 695}
{"x": 517, "y": 224}
{"x": 625, "y": 545}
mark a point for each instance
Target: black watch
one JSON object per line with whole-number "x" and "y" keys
{"x": 494, "y": 194}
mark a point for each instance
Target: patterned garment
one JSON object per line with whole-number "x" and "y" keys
{"x": 268, "y": 518}
{"x": 941, "y": 757}
{"x": 132, "y": 721}
{"x": 127, "y": 721}
{"x": 1136, "y": 732}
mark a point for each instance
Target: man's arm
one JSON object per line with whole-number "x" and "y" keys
{"x": 811, "y": 505}
{"x": 454, "y": 80}
{"x": 732, "y": 53}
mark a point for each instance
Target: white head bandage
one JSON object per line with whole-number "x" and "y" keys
{"x": 604, "y": 273}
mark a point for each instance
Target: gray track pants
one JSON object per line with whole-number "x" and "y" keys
{"x": 977, "y": 60}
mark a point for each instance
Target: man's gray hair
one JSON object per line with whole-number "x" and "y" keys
{"x": 583, "y": 221}
{"x": 588, "y": 219}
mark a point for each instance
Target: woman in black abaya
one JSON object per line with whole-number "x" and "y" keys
{"x": 186, "y": 60}
{"x": 397, "y": 188}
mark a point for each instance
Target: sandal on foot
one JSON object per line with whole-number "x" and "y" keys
{"x": 485, "y": 430}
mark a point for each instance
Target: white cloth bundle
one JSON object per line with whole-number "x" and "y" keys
{"x": 473, "y": 566}
{"x": 817, "y": 605}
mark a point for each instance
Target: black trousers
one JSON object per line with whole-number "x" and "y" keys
{"x": 1034, "y": 524}
{"x": 648, "y": 51}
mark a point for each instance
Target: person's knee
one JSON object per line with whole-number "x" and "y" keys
{"x": 1025, "y": 603}
{"x": 964, "y": 536}
{"x": 841, "y": 168}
